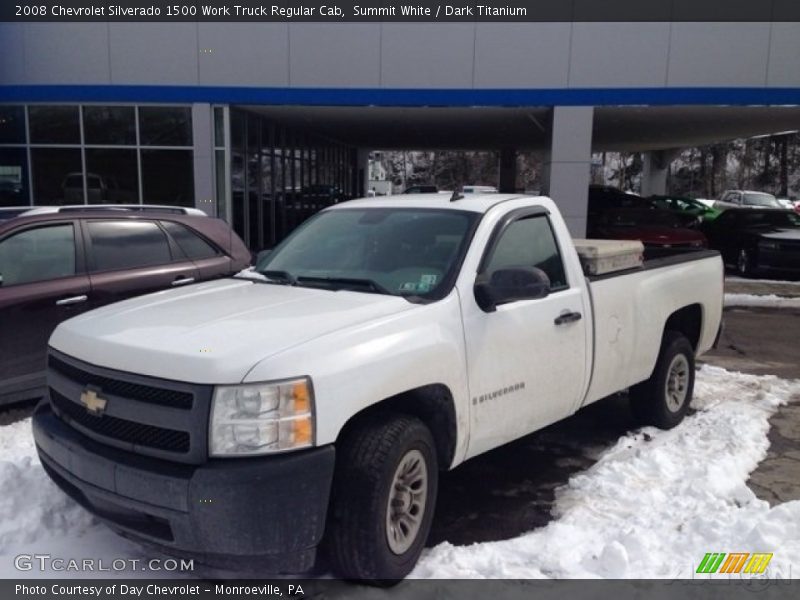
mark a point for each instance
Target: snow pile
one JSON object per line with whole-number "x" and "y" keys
{"x": 32, "y": 508}
{"x": 765, "y": 301}
{"x": 655, "y": 504}
{"x": 36, "y": 517}
{"x": 652, "y": 505}
{"x": 250, "y": 273}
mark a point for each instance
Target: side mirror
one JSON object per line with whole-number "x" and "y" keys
{"x": 509, "y": 285}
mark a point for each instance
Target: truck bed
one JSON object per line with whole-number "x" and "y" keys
{"x": 636, "y": 303}
{"x": 657, "y": 258}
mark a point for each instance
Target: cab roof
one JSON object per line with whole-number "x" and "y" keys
{"x": 479, "y": 203}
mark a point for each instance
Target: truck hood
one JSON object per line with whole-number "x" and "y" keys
{"x": 214, "y": 332}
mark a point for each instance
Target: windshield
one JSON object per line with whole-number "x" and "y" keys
{"x": 760, "y": 199}
{"x": 397, "y": 251}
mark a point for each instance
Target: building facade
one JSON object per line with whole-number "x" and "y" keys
{"x": 265, "y": 123}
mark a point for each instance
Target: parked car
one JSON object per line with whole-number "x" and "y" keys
{"x": 656, "y": 229}
{"x": 747, "y": 198}
{"x": 421, "y": 189}
{"x": 688, "y": 207}
{"x": 790, "y": 204}
{"x": 617, "y": 215}
{"x": 99, "y": 188}
{"x": 478, "y": 189}
{"x": 706, "y": 201}
{"x": 605, "y": 197}
{"x": 56, "y": 263}
{"x": 385, "y": 340}
{"x": 757, "y": 240}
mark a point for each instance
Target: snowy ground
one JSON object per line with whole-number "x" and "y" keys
{"x": 742, "y": 280}
{"x": 657, "y": 501}
{"x": 761, "y": 301}
{"x": 652, "y": 506}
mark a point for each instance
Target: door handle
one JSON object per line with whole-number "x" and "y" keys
{"x": 183, "y": 281}
{"x": 568, "y": 317}
{"x": 72, "y": 300}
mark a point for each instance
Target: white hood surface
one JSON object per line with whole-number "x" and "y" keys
{"x": 214, "y": 332}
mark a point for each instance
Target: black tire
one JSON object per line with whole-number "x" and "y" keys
{"x": 655, "y": 401}
{"x": 368, "y": 456}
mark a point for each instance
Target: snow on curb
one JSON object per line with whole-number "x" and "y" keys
{"x": 645, "y": 509}
{"x": 765, "y": 301}
{"x": 652, "y": 509}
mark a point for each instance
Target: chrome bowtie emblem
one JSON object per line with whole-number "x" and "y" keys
{"x": 94, "y": 404}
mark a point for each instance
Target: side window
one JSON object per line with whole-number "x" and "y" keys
{"x": 127, "y": 244}
{"x": 38, "y": 255}
{"x": 529, "y": 242}
{"x": 192, "y": 245}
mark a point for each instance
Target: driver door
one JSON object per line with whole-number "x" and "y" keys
{"x": 527, "y": 362}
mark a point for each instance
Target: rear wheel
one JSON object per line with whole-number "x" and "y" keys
{"x": 663, "y": 399}
{"x": 384, "y": 492}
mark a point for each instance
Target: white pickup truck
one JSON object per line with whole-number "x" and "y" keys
{"x": 314, "y": 404}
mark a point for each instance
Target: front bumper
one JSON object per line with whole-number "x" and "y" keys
{"x": 779, "y": 261}
{"x": 240, "y": 512}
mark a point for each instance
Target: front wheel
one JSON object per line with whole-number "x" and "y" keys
{"x": 384, "y": 493}
{"x": 663, "y": 399}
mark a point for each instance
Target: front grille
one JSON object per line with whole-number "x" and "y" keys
{"x": 122, "y": 430}
{"x": 126, "y": 389}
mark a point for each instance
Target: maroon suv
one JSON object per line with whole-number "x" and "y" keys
{"x": 56, "y": 263}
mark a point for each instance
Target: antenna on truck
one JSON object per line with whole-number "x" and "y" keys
{"x": 457, "y": 193}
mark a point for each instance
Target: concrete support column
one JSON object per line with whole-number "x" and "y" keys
{"x": 568, "y": 164}
{"x": 203, "y": 141}
{"x": 655, "y": 168}
{"x": 362, "y": 177}
{"x": 508, "y": 171}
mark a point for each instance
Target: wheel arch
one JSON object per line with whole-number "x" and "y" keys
{"x": 432, "y": 404}
{"x": 687, "y": 321}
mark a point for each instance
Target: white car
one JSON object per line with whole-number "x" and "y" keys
{"x": 384, "y": 341}
{"x": 748, "y": 199}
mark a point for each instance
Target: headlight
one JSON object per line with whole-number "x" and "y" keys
{"x": 259, "y": 418}
{"x": 768, "y": 245}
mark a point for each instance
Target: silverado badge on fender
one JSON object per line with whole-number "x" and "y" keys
{"x": 94, "y": 404}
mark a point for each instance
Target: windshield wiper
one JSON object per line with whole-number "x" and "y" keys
{"x": 271, "y": 277}
{"x": 369, "y": 284}
{"x": 279, "y": 276}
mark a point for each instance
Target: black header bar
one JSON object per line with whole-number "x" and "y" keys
{"x": 400, "y": 10}
{"x": 735, "y": 588}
